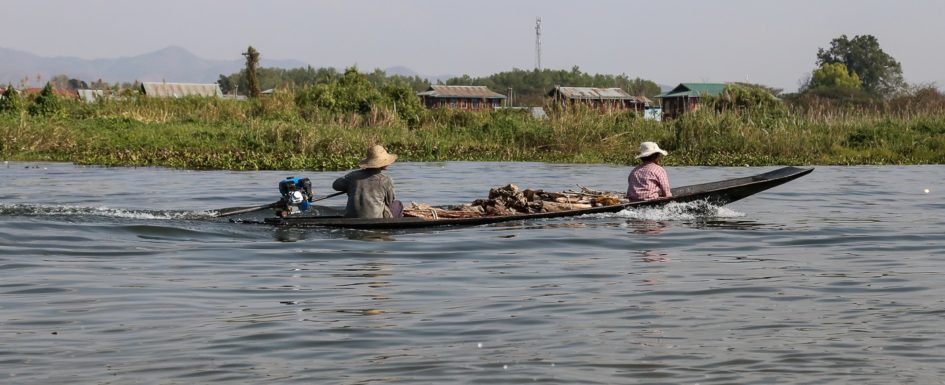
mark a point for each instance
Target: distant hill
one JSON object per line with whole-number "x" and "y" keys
{"x": 401, "y": 70}
{"x": 172, "y": 64}
{"x": 404, "y": 71}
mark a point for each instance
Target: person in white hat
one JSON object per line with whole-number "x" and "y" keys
{"x": 648, "y": 180}
{"x": 370, "y": 192}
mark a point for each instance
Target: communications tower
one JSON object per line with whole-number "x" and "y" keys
{"x": 538, "y": 43}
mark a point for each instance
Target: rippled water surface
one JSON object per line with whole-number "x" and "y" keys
{"x": 118, "y": 276}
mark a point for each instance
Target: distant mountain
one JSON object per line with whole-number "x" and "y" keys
{"x": 401, "y": 70}
{"x": 171, "y": 64}
{"x": 404, "y": 71}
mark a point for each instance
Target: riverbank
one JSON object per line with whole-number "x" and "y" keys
{"x": 272, "y": 133}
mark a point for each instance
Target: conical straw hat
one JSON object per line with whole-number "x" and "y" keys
{"x": 377, "y": 157}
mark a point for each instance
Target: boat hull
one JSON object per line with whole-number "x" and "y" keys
{"x": 717, "y": 193}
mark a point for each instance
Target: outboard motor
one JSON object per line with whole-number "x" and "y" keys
{"x": 296, "y": 196}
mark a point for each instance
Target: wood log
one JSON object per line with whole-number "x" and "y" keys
{"x": 441, "y": 213}
{"x": 605, "y": 201}
{"x": 556, "y": 206}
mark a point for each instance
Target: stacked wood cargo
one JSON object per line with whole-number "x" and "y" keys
{"x": 511, "y": 200}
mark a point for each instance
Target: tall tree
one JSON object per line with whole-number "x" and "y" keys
{"x": 862, "y": 55}
{"x": 252, "y": 62}
{"x": 226, "y": 85}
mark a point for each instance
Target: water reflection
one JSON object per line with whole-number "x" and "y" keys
{"x": 726, "y": 224}
{"x": 654, "y": 274}
{"x": 295, "y": 234}
{"x": 288, "y": 234}
{"x": 655, "y": 256}
{"x": 636, "y": 226}
{"x": 374, "y": 278}
{"x": 648, "y": 227}
{"x": 368, "y": 235}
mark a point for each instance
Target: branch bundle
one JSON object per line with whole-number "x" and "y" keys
{"x": 510, "y": 200}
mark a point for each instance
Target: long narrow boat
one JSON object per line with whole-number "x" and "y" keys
{"x": 717, "y": 193}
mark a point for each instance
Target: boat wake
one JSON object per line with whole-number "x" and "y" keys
{"x": 76, "y": 211}
{"x": 675, "y": 211}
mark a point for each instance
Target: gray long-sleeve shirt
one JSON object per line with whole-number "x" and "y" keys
{"x": 370, "y": 193}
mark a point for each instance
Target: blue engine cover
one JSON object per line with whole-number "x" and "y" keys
{"x": 291, "y": 183}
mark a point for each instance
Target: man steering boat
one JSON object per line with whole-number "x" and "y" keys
{"x": 370, "y": 191}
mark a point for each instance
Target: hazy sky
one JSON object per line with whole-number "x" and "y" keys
{"x": 768, "y": 42}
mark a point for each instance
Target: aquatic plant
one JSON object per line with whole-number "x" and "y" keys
{"x": 289, "y": 130}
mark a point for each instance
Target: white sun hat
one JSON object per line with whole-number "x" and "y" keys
{"x": 650, "y": 148}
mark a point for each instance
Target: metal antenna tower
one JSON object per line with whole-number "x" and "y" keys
{"x": 538, "y": 43}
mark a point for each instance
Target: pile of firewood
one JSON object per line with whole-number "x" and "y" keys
{"x": 510, "y": 200}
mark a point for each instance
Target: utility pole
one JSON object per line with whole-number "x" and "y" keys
{"x": 538, "y": 43}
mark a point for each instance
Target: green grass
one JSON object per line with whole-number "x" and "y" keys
{"x": 273, "y": 133}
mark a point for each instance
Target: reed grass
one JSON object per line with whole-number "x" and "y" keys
{"x": 274, "y": 133}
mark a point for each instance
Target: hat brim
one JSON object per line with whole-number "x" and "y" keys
{"x": 379, "y": 162}
{"x": 648, "y": 153}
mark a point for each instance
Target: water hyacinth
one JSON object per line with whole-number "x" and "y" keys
{"x": 296, "y": 131}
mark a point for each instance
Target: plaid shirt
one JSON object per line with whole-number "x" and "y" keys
{"x": 647, "y": 181}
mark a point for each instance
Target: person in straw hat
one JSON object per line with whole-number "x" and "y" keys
{"x": 648, "y": 180}
{"x": 370, "y": 192}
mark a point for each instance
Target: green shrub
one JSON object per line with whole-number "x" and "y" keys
{"x": 11, "y": 102}
{"x": 46, "y": 103}
{"x": 747, "y": 98}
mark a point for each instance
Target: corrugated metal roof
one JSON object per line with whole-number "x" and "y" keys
{"x": 477, "y": 92}
{"x": 592, "y": 93}
{"x": 694, "y": 90}
{"x": 178, "y": 90}
{"x": 90, "y": 95}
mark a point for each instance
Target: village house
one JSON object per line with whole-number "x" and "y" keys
{"x": 179, "y": 90}
{"x": 90, "y": 96}
{"x": 604, "y": 99}
{"x": 687, "y": 97}
{"x": 461, "y": 97}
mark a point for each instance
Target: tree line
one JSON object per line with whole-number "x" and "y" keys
{"x": 849, "y": 71}
{"x": 529, "y": 87}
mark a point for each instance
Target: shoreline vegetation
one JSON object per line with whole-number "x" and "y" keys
{"x": 269, "y": 133}
{"x": 855, "y": 108}
{"x": 328, "y": 126}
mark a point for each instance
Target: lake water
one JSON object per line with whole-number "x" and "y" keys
{"x": 116, "y": 276}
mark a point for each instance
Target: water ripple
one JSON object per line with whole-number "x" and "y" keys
{"x": 831, "y": 279}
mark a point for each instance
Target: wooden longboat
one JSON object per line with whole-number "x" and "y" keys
{"x": 716, "y": 193}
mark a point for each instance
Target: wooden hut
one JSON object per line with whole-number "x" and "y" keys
{"x": 179, "y": 90}
{"x": 461, "y": 97}
{"x": 605, "y": 99}
{"x": 687, "y": 97}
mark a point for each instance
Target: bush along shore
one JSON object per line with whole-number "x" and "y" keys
{"x": 328, "y": 128}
